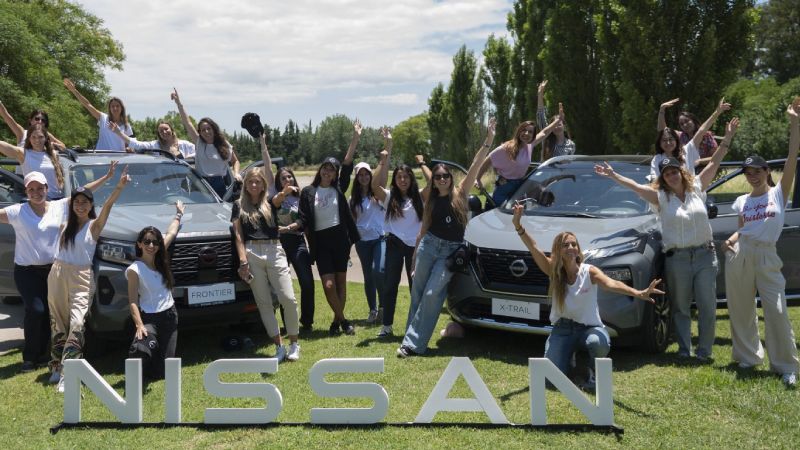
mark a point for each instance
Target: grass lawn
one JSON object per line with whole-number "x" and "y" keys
{"x": 660, "y": 400}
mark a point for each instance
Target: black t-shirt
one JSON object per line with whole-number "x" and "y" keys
{"x": 444, "y": 223}
{"x": 251, "y": 232}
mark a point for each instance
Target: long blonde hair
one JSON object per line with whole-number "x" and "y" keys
{"x": 558, "y": 277}
{"x": 248, "y": 209}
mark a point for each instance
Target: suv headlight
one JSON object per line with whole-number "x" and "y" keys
{"x": 120, "y": 252}
{"x": 635, "y": 245}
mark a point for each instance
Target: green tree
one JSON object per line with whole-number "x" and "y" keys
{"x": 526, "y": 23}
{"x": 463, "y": 98}
{"x": 778, "y": 39}
{"x": 496, "y": 75}
{"x": 412, "y": 137}
{"x": 437, "y": 120}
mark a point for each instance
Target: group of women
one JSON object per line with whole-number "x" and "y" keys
{"x": 402, "y": 226}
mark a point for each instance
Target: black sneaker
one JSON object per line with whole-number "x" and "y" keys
{"x": 334, "y": 329}
{"x": 348, "y": 328}
{"x": 405, "y": 352}
{"x": 28, "y": 366}
{"x": 306, "y": 329}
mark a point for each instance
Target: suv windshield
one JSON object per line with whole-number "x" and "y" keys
{"x": 163, "y": 183}
{"x": 571, "y": 188}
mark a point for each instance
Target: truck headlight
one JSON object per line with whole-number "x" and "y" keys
{"x": 120, "y": 252}
{"x": 619, "y": 274}
{"x": 635, "y": 245}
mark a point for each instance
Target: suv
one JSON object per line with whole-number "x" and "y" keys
{"x": 204, "y": 259}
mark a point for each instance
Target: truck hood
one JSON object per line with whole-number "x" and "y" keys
{"x": 201, "y": 219}
{"x": 493, "y": 229}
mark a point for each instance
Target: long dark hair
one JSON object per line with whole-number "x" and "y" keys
{"x": 48, "y": 148}
{"x": 39, "y": 112}
{"x": 551, "y": 140}
{"x": 395, "y": 208}
{"x": 71, "y": 230}
{"x": 457, "y": 199}
{"x": 318, "y": 177}
{"x": 678, "y": 151}
{"x": 357, "y": 196}
{"x": 161, "y": 259}
{"x": 279, "y": 183}
{"x": 222, "y": 145}
{"x": 122, "y": 115}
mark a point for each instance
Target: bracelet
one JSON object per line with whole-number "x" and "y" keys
{"x": 520, "y": 231}
{"x": 243, "y": 264}
{"x": 178, "y": 216}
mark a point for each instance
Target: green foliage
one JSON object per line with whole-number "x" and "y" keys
{"x": 496, "y": 75}
{"x": 412, "y": 137}
{"x": 778, "y": 39}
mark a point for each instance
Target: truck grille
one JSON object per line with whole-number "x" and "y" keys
{"x": 202, "y": 262}
{"x": 493, "y": 266}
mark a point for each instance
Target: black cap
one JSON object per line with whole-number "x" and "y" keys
{"x": 669, "y": 162}
{"x": 84, "y": 192}
{"x": 755, "y": 161}
{"x": 331, "y": 160}
{"x": 252, "y": 123}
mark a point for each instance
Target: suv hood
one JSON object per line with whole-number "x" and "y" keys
{"x": 493, "y": 229}
{"x": 201, "y": 219}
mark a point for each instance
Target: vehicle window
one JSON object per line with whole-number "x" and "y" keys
{"x": 568, "y": 189}
{"x": 10, "y": 192}
{"x": 732, "y": 188}
{"x": 163, "y": 183}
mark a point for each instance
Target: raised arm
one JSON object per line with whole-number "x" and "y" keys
{"x": 262, "y": 139}
{"x": 478, "y": 159}
{"x": 790, "y": 167}
{"x": 351, "y": 150}
{"x": 191, "y": 132}
{"x": 602, "y": 280}
{"x": 541, "y": 260}
{"x": 541, "y": 109}
{"x": 708, "y": 173}
{"x": 236, "y": 168}
{"x": 100, "y": 221}
{"x": 175, "y": 225}
{"x": 83, "y": 100}
{"x": 278, "y": 198}
{"x": 95, "y": 185}
{"x": 425, "y": 192}
{"x": 542, "y": 135}
{"x": 12, "y": 124}
{"x": 381, "y": 174}
{"x": 642, "y": 190}
{"x": 12, "y": 151}
{"x": 662, "y": 123}
{"x": 698, "y": 135}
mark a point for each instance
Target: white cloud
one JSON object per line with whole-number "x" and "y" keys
{"x": 310, "y": 57}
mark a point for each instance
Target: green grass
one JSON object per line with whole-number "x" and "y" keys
{"x": 659, "y": 400}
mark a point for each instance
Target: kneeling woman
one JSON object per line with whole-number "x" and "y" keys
{"x": 152, "y": 307}
{"x": 573, "y": 293}
{"x": 262, "y": 261}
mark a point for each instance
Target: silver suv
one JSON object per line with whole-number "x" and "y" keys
{"x": 204, "y": 260}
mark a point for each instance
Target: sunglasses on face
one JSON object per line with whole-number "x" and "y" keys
{"x": 38, "y": 119}
{"x": 441, "y": 176}
{"x": 147, "y": 242}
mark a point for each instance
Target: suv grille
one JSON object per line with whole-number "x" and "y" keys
{"x": 493, "y": 266}
{"x": 202, "y": 262}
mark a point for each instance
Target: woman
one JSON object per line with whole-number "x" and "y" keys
{"x": 404, "y": 212}
{"x": 689, "y": 124}
{"x": 262, "y": 261}
{"x": 558, "y": 142}
{"x": 150, "y": 299}
{"x": 167, "y": 141}
{"x": 441, "y": 233}
{"x": 691, "y": 263}
{"x": 667, "y": 144}
{"x": 70, "y": 285}
{"x": 38, "y": 155}
{"x": 37, "y": 117}
{"x": 106, "y": 139}
{"x": 214, "y": 154}
{"x": 37, "y": 226}
{"x": 573, "y": 294}
{"x": 753, "y": 264}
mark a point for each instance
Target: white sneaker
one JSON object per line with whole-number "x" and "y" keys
{"x": 373, "y": 316}
{"x": 294, "y": 352}
{"x": 280, "y": 353}
{"x": 54, "y": 377}
{"x": 744, "y": 365}
{"x": 386, "y": 331}
{"x": 60, "y": 386}
{"x": 789, "y": 379}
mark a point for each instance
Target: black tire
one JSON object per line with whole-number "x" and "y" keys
{"x": 656, "y": 325}
{"x": 12, "y": 300}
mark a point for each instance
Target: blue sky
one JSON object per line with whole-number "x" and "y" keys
{"x": 301, "y": 60}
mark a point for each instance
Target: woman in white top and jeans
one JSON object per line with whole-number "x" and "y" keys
{"x": 691, "y": 263}
{"x": 573, "y": 293}
{"x": 753, "y": 264}
{"x": 369, "y": 213}
{"x": 70, "y": 285}
{"x": 106, "y": 139}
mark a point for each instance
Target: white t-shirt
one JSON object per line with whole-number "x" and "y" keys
{"x": 684, "y": 224}
{"x": 106, "y": 139}
{"x": 36, "y": 237}
{"x": 207, "y": 160}
{"x": 154, "y": 296}
{"x": 763, "y": 215}
{"x": 185, "y": 147}
{"x": 406, "y": 227}
{"x": 81, "y": 252}
{"x": 326, "y": 208}
{"x": 690, "y": 157}
{"x": 39, "y": 162}
{"x": 580, "y": 301}
{"x": 370, "y": 219}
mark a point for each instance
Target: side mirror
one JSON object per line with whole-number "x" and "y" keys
{"x": 474, "y": 205}
{"x": 712, "y": 209}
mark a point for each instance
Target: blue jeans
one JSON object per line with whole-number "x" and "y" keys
{"x": 503, "y": 192}
{"x": 692, "y": 272}
{"x": 218, "y": 184}
{"x": 428, "y": 292}
{"x": 372, "y": 257}
{"x": 568, "y": 336}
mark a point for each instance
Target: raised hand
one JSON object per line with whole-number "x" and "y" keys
{"x": 69, "y": 85}
{"x": 124, "y": 178}
{"x": 111, "y": 169}
{"x": 357, "y": 127}
{"x": 179, "y": 207}
{"x": 518, "y": 209}
{"x": 540, "y": 88}
{"x": 731, "y": 127}
{"x": 722, "y": 107}
{"x": 386, "y": 133}
{"x": 561, "y": 111}
{"x": 174, "y": 96}
{"x": 647, "y": 293}
{"x": 669, "y": 103}
{"x": 793, "y": 110}
{"x": 606, "y": 171}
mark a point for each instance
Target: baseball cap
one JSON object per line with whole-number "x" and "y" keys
{"x": 34, "y": 176}
{"x": 331, "y": 160}
{"x": 362, "y": 165}
{"x": 669, "y": 162}
{"x": 755, "y": 161}
{"x": 84, "y": 192}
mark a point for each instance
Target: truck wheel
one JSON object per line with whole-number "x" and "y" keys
{"x": 656, "y": 325}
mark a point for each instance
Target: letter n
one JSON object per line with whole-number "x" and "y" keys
{"x": 542, "y": 369}
{"x": 128, "y": 410}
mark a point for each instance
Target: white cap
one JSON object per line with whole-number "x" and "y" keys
{"x": 35, "y": 176}
{"x": 362, "y": 165}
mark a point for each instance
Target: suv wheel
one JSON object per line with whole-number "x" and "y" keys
{"x": 656, "y": 326}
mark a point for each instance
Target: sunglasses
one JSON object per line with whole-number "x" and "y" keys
{"x": 38, "y": 119}
{"x": 147, "y": 242}
{"x": 441, "y": 176}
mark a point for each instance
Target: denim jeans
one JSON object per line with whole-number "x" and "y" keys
{"x": 431, "y": 278}
{"x": 504, "y": 191}
{"x": 297, "y": 253}
{"x": 218, "y": 184}
{"x": 396, "y": 253}
{"x": 372, "y": 257}
{"x": 31, "y": 283}
{"x": 567, "y": 336}
{"x": 692, "y": 273}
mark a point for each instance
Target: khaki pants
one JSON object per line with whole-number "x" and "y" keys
{"x": 270, "y": 271}
{"x": 69, "y": 296}
{"x": 756, "y": 266}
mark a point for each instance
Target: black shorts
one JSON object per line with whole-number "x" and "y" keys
{"x": 333, "y": 250}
